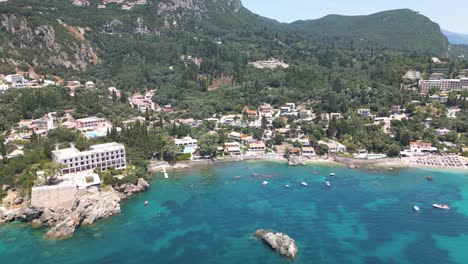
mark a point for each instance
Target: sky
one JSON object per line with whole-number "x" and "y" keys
{"x": 451, "y": 15}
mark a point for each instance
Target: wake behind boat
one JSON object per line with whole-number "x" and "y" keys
{"x": 441, "y": 206}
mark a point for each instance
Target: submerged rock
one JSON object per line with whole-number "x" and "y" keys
{"x": 280, "y": 242}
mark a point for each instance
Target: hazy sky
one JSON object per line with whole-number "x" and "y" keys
{"x": 452, "y": 15}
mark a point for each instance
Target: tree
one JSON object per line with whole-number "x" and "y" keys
{"x": 393, "y": 151}
{"x": 321, "y": 149}
{"x": 208, "y": 144}
{"x": 264, "y": 122}
{"x": 278, "y": 122}
{"x": 3, "y": 152}
{"x": 170, "y": 151}
{"x": 278, "y": 139}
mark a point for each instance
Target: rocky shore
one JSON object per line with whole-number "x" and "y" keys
{"x": 88, "y": 207}
{"x": 296, "y": 161}
{"x": 280, "y": 242}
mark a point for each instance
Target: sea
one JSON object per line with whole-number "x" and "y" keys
{"x": 209, "y": 215}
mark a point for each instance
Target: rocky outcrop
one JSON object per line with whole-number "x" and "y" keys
{"x": 280, "y": 242}
{"x": 296, "y": 161}
{"x": 127, "y": 189}
{"x": 88, "y": 207}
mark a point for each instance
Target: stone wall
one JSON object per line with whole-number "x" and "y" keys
{"x": 57, "y": 196}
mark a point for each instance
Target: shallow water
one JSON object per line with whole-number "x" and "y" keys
{"x": 208, "y": 215}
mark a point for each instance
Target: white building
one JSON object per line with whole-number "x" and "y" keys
{"x": 308, "y": 151}
{"x": 257, "y": 147}
{"x": 103, "y": 156}
{"x": 189, "y": 144}
{"x": 90, "y": 85}
{"x": 413, "y": 75}
{"x": 91, "y": 122}
{"x": 364, "y": 112}
{"x": 333, "y": 146}
{"x": 14, "y": 78}
{"x": 233, "y": 148}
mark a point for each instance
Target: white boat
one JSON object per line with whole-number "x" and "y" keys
{"x": 264, "y": 182}
{"x": 146, "y": 202}
{"x": 327, "y": 183}
{"x": 303, "y": 183}
{"x": 441, "y": 206}
{"x": 416, "y": 208}
{"x": 287, "y": 186}
{"x": 332, "y": 174}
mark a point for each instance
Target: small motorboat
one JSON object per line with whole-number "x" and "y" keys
{"x": 332, "y": 174}
{"x": 441, "y": 206}
{"x": 327, "y": 183}
{"x": 146, "y": 203}
{"x": 416, "y": 208}
{"x": 287, "y": 186}
{"x": 429, "y": 178}
{"x": 303, "y": 183}
{"x": 264, "y": 182}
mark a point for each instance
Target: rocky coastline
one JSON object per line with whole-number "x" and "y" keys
{"x": 88, "y": 207}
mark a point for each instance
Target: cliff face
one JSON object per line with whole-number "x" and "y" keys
{"x": 22, "y": 40}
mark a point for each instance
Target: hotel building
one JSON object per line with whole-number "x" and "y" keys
{"x": 103, "y": 156}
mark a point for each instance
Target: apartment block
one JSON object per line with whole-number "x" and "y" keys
{"x": 103, "y": 156}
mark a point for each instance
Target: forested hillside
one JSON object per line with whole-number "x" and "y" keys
{"x": 397, "y": 29}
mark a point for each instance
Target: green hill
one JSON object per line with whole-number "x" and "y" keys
{"x": 397, "y": 29}
{"x": 55, "y": 37}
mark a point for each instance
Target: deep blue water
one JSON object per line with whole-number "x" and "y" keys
{"x": 208, "y": 215}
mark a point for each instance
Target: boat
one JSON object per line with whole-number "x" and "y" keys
{"x": 332, "y": 174}
{"x": 327, "y": 183}
{"x": 416, "y": 208}
{"x": 146, "y": 203}
{"x": 441, "y": 206}
{"x": 303, "y": 183}
{"x": 429, "y": 178}
{"x": 287, "y": 186}
{"x": 264, "y": 182}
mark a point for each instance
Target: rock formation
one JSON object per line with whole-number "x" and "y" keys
{"x": 296, "y": 161}
{"x": 88, "y": 207}
{"x": 280, "y": 242}
{"x": 127, "y": 189}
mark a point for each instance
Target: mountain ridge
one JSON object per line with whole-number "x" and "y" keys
{"x": 388, "y": 28}
{"x": 65, "y": 36}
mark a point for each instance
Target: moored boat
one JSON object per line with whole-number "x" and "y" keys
{"x": 332, "y": 174}
{"x": 416, "y": 208}
{"x": 287, "y": 186}
{"x": 327, "y": 183}
{"x": 303, "y": 183}
{"x": 264, "y": 182}
{"x": 146, "y": 203}
{"x": 441, "y": 206}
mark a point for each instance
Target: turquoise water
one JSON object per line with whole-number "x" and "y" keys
{"x": 208, "y": 215}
